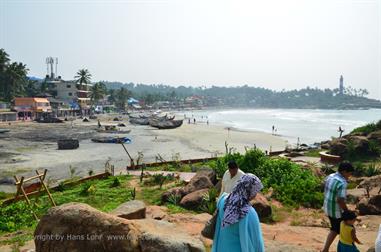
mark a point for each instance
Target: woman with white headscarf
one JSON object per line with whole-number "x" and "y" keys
{"x": 237, "y": 227}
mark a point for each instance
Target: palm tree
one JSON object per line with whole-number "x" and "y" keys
{"x": 15, "y": 80}
{"x": 83, "y": 77}
{"x": 98, "y": 91}
{"x": 122, "y": 96}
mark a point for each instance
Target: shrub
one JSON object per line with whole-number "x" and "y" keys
{"x": 209, "y": 204}
{"x": 61, "y": 187}
{"x": 115, "y": 182}
{"x": 368, "y": 128}
{"x": 87, "y": 189}
{"x": 292, "y": 184}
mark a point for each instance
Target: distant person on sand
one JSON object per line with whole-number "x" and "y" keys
{"x": 335, "y": 193}
{"x": 207, "y": 122}
{"x": 194, "y": 120}
{"x": 348, "y": 233}
{"x": 99, "y": 123}
{"x": 273, "y": 128}
{"x": 230, "y": 178}
{"x": 237, "y": 225}
{"x": 188, "y": 120}
{"x": 340, "y": 131}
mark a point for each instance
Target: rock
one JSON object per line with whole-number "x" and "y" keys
{"x": 361, "y": 144}
{"x": 370, "y": 182}
{"x": 134, "y": 209}
{"x": 68, "y": 144}
{"x": 162, "y": 236}
{"x": 7, "y": 181}
{"x": 371, "y": 249}
{"x": 370, "y": 206}
{"x": 210, "y": 173}
{"x": 79, "y": 227}
{"x": 339, "y": 147}
{"x": 156, "y": 212}
{"x": 93, "y": 117}
{"x": 173, "y": 192}
{"x": 376, "y": 135}
{"x": 261, "y": 206}
{"x": 198, "y": 182}
{"x": 193, "y": 200}
{"x": 355, "y": 195}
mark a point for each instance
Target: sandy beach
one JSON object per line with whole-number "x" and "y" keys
{"x": 32, "y": 145}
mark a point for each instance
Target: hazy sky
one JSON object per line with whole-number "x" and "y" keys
{"x": 270, "y": 43}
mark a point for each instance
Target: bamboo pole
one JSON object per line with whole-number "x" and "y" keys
{"x": 45, "y": 187}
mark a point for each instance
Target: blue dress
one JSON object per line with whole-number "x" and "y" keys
{"x": 244, "y": 236}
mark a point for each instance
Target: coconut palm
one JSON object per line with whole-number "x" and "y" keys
{"x": 83, "y": 77}
{"x": 14, "y": 80}
{"x": 98, "y": 91}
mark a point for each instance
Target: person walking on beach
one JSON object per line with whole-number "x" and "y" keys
{"x": 230, "y": 178}
{"x": 237, "y": 225}
{"x": 273, "y": 128}
{"x": 335, "y": 192}
{"x": 194, "y": 120}
{"x": 348, "y": 233}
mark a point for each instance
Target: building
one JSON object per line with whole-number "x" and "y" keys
{"x": 341, "y": 85}
{"x": 31, "y": 107}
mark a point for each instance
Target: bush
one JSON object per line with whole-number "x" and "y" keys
{"x": 209, "y": 204}
{"x": 115, "y": 182}
{"x": 87, "y": 189}
{"x": 368, "y": 128}
{"x": 292, "y": 184}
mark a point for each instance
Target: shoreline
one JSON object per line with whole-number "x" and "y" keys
{"x": 32, "y": 145}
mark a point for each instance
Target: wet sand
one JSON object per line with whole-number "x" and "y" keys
{"x": 31, "y": 146}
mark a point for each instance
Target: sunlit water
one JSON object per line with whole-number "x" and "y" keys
{"x": 309, "y": 125}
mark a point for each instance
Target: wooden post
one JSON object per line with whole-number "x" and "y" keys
{"x": 45, "y": 187}
{"x": 20, "y": 187}
{"x": 131, "y": 159}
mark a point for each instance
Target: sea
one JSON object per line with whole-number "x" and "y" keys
{"x": 307, "y": 126}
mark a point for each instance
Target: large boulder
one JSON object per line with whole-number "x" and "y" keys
{"x": 177, "y": 192}
{"x": 134, "y": 209}
{"x": 198, "y": 182}
{"x": 261, "y": 206}
{"x": 338, "y": 146}
{"x": 79, "y": 227}
{"x": 360, "y": 144}
{"x": 370, "y": 206}
{"x": 193, "y": 200}
{"x": 210, "y": 173}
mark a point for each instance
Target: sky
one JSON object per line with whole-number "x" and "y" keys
{"x": 276, "y": 44}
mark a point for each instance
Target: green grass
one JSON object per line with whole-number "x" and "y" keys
{"x": 102, "y": 196}
{"x": 313, "y": 153}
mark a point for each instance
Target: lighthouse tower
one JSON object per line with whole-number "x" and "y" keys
{"x": 341, "y": 86}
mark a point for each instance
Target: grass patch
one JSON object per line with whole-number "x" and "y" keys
{"x": 19, "y": 238}
{"x": 174, "y": 209}
{"x": 103, "y": 196}
{"x": 313, "y": 153}
{"x": 150, "y": 195}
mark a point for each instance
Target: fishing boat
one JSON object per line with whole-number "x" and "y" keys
{"x": 166, "y": 124}
{"x": 111, "y": 140}
{"x": 4, "y": 130}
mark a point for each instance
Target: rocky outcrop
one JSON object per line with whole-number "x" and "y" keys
{"x": 177, "y": 192}
{"x": 360, "y": 144}
{"x": 370, "y": 182}
{"x": 193, "y": 200}
{"x": 134, "y": 209}
{"x": 261, "y": 206}
{"x": 376, "y": 135}
{"x": 204, "y": 179}
{"x": 370, "y": 206}
{"x": 79, "y": 227}
{"x": 338, "y": 146}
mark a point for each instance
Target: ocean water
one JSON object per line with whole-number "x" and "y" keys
{"x": 309, "y": 125}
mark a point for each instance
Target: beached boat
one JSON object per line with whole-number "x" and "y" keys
{"x": 49, "y": 120}
{"x": 4, "y": 130}
{"x": 166, "y": 124}
{"x": 111, "y": 140}
{"x": 139, "y": 121}
{"x": 114, "y": 131}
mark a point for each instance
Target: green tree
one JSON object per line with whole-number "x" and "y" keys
{"x": 122, "y": 96}
{"x": 83, "y": 77}
{"x": 98, "y": 91}
{"x": 13, "y": 81}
